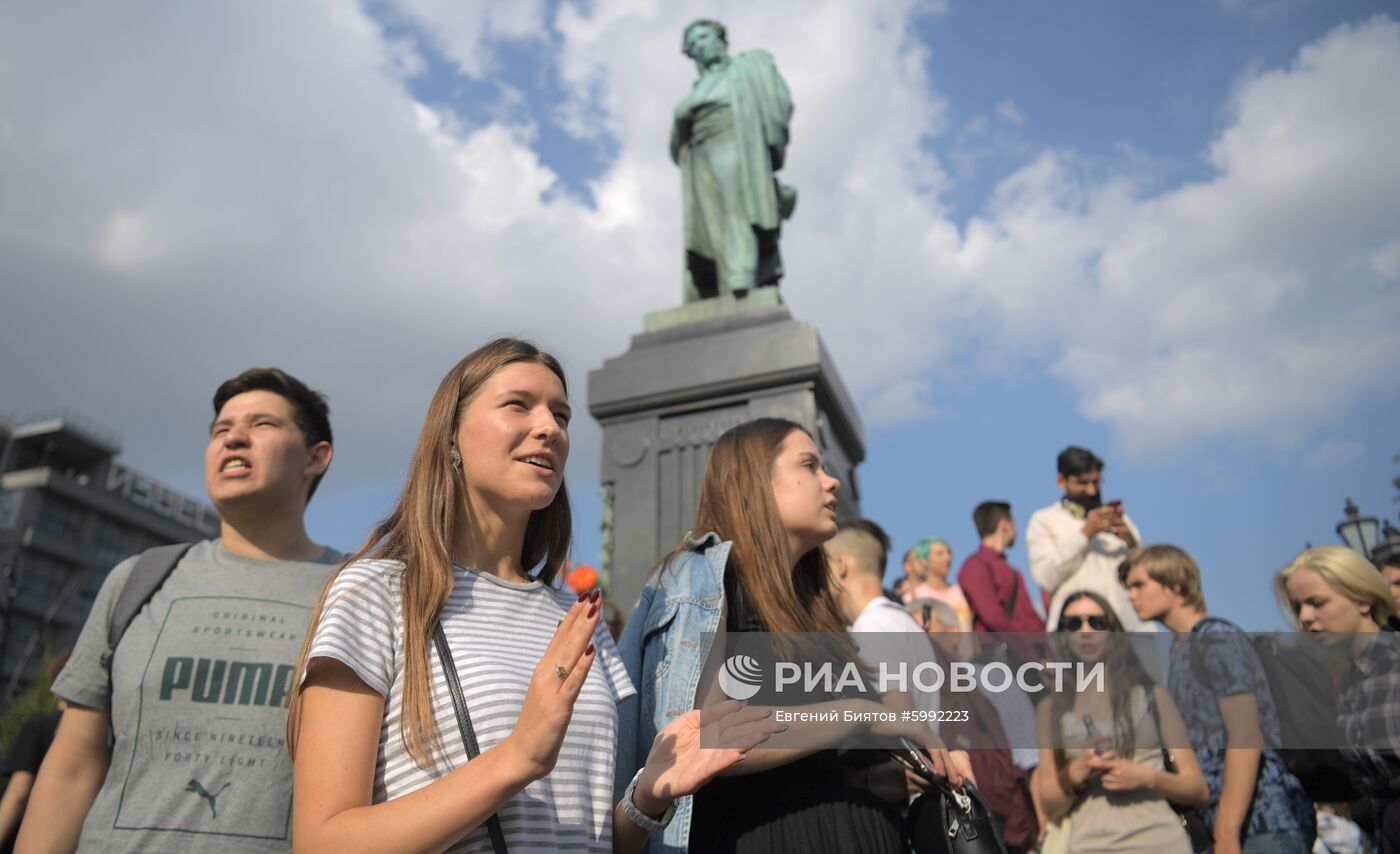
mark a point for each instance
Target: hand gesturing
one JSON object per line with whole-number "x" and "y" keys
{"x": 554, "y": 688}
{"x": 679, "y": 763}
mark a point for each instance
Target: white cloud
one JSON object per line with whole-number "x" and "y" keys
{"x": 1229, "y": 306}
{"x": 130, "y": 243}
{"x": 1006, "y": 109}
{"x": 1332, "y": 454}
{"x": 902, "y": 401}
{"x": 466, "y": 30}
{"x": 1385, "y": 262}
{"x": 255, "y": 184}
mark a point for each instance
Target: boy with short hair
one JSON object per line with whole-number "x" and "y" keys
{"x": 193, "y": 697}
{"x": 1256, "y": 806}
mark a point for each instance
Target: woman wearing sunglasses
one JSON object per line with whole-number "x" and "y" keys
{"x": 1106, "y": 768}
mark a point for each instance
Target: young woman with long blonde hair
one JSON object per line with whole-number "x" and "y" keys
{"x": 380, "y": 748}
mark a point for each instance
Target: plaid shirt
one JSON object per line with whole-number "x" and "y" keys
{"x": 1369, "y": 714}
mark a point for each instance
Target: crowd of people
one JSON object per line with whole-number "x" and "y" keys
{"x": 442, "y": 689}
{"x": 1234, "y": 789}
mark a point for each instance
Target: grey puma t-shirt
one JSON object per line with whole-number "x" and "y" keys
{"x": 199, "y": 707}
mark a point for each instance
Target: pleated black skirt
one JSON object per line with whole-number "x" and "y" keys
{"x": 802, "y": 808}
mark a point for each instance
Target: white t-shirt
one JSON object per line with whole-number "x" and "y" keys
{"x": 498, "y": 632}
{"x": 885, "y": 632}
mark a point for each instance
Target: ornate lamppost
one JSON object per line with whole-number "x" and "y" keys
{"x": 1360, "y": 533}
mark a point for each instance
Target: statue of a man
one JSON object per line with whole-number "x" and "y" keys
{"x": 729, "y": 137}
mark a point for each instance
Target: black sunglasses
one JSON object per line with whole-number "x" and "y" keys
{"x": 1073, "y": 624}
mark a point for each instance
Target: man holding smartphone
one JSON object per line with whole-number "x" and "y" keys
{"x": 1078, "y": 542}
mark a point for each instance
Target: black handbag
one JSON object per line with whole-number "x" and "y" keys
{"x": 1191, "y": 819}
{"x": 945, "y": 820}
{"x": 464, "y": 724}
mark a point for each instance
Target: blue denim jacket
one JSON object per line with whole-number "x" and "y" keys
{"x": 664, "y": 648}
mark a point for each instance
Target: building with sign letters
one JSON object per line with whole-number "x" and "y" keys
{"x": 69, "y": 512}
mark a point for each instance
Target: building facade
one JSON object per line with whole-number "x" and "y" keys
{"x": 69, "y": 512}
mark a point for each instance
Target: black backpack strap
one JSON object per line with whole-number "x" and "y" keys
{"x": 1198, "y": 662}
{"x": 1015, "y": 593}
{"x": 151, "y": 570}
{"x": 464, "y": 723}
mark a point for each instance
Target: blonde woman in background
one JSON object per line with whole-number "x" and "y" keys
{"x": 1338, "y": 596}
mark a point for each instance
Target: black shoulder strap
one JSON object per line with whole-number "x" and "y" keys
{"x": 1198, "y": 661}
{"x": 151, "y": 570}
{"x": 464, "y": 723}
{"x": 1168, "y": 760}
{"x": 1015, "y": 593}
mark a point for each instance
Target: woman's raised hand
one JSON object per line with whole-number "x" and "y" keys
{"x": 690, "y": 751}
{"x": 554, "y": 687}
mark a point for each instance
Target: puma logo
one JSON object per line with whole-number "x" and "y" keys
{"x": 195, "y": 787}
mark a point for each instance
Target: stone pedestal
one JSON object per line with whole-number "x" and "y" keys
{"x": 695, "y": 372}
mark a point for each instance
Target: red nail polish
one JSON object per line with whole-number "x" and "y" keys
{"x": 582, "y": 596}
{"x": 593, "y": 609}
{"x": 597, "y": 594}
{"x": 588, "y": 651}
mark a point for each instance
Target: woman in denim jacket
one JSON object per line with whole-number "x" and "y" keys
{"x": 765, "y": 490}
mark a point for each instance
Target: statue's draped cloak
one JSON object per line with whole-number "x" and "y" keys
{"x": 761, "y": 108}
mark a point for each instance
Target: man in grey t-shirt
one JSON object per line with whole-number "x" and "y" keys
{"x": 197, "y": 690}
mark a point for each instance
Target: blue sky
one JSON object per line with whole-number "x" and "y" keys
{"x": 1170, "y": 232}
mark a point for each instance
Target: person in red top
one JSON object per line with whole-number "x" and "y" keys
{"x": 995, "y": 590}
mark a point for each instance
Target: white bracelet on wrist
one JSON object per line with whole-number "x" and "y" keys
{"x": 639, "y": 818}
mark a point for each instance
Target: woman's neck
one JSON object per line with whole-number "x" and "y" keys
{"x": 489, "y": 542}
{"x": 937, "y": 582}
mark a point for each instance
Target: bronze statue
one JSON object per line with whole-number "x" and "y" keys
{"x": 729, "y": 138}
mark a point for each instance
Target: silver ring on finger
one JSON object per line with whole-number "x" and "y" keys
{"x": 561, "y": 671}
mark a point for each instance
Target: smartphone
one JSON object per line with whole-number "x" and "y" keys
{"x": 1117, "y": 505}
{"x": 916, "y": 754}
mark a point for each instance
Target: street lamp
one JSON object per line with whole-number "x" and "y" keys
{"x": 1360, "y": 533}
{"x": 1388, "y": 552}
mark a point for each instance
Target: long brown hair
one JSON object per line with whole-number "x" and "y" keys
{"x": 1124, "y": 672}
{"x": 736, "y": 502}
{"x": 421, "y": 530}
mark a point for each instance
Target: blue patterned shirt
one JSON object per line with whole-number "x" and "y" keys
{"x": 1231, "y": 666}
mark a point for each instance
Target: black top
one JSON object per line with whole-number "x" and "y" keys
{"x": 809, "y": 805}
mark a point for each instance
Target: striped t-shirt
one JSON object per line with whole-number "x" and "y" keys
{"x": 498, "y": 631}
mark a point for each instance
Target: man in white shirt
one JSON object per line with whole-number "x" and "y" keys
{"x": 1078, "y": 542}
{"x": 884, "y": 632}
{"x": 855, "y": 556}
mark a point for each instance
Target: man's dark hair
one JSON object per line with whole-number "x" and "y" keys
{"x": 310, "y": 409}
{"x": 860, "y": 523}
{"x": 1075, "y": 461}
{"x": 987, "y": 515}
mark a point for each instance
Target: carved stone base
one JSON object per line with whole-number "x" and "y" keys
{"x": 664, "y": 402}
